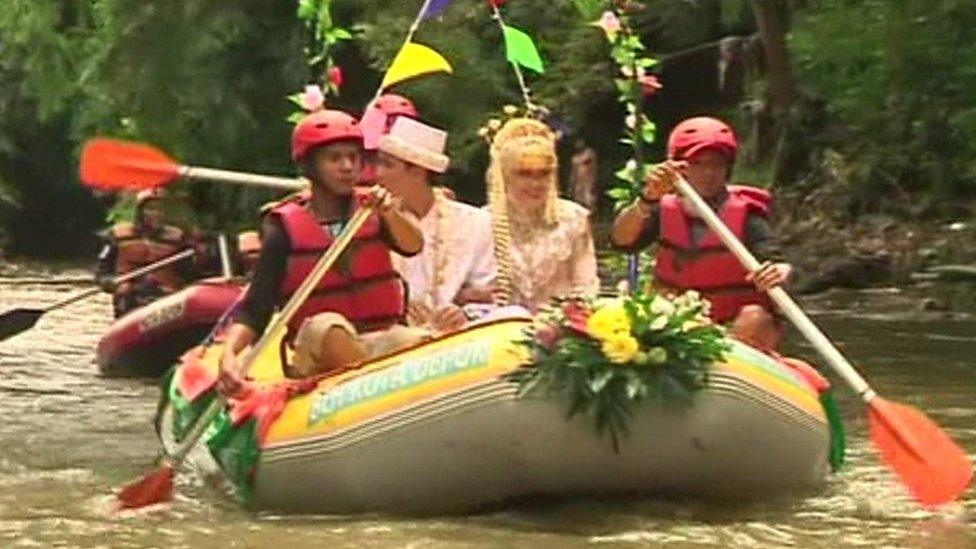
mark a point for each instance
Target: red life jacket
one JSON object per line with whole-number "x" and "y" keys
{"x": 137, "y": 249}
{"x": 362, "y": 286}
{"x": 707, "y": 266}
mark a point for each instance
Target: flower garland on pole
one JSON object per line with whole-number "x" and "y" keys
{"x": 635, "y": 85}
{"x": 324, "y": 34}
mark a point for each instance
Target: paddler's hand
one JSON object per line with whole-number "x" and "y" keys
{"x": 383, "y": 200}
{"x": 418, "y": 314}
{"x": 770, "y": 275}
{"x": 448, "y": 318}
{"x": 229, "y": 380}
{"x": 661, "y": 180}
{"x": 107, "y": 284}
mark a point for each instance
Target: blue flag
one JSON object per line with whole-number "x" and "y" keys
{"x": 435, "y": 8}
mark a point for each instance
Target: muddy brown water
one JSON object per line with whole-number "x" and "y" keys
{"x": 68, "y": 436}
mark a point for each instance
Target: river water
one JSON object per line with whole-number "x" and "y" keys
{"x": 68, "y": 436}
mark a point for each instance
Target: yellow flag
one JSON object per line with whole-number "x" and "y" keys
{"x": 414, "y": 60}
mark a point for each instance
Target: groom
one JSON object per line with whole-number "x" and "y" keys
{"x": 456, "y": 267}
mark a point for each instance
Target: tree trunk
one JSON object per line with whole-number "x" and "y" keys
{"x": 772, "y": 22}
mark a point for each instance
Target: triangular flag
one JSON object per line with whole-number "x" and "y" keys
{"x": 414, "y": 60}
{"x": 520, "y": 49}
{"x": 435, "y": 8}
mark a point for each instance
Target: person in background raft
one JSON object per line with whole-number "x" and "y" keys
{"x": 457, "y": 265}
{"x": 583, "y": 177}
{"x": 690, "y": 256}
{"x": 129, "y": 246}
{"x": 543, "y": 243}
{"x": 248, "y": 251}
{"x": 355, "y": 310}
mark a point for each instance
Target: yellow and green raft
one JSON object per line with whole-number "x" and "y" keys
{"x": 441, "y": 428}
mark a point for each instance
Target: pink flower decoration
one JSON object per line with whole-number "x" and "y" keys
{"x": 336, "y": 77}
{"x": 312, "y": 99}
{"x": 649, "y": 84}
{"x": 609, "y": 23}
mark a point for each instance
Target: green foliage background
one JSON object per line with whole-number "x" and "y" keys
{"x": 206, "y": 81}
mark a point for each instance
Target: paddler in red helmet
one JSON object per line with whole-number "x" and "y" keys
{"x": 690, "y": 256}
{"x": 145, "y": 240}
{"x": 359, "y": 304}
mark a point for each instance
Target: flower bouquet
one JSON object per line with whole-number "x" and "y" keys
{"x": 605, "y": 355}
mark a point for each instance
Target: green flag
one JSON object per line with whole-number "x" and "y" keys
{"x": 520, "y": 49}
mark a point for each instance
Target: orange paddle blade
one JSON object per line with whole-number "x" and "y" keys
{"x": 156, "y": 487}
{"x": 930, "y": 464}
{"x": 112, "y": 165}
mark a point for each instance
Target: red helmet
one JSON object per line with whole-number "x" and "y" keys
{"x": 321, "y": 128}
{"x": 379, "y": 115}
{"x": 392, "y": 104}
{"x": 697, "y": 134}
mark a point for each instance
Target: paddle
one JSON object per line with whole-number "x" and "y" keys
{"x": 157, "y": 486}
{"x": 929, "y": 463}
{"x": 113, "y": 165}
{"x": 20, "y": 320}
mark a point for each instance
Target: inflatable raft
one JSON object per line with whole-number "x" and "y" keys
{"x": 440, "y": 428}
{"x": 148, "y": 340}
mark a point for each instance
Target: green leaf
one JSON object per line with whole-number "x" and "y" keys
{"x": 647, "y": 62}
{"x": 306, "y": 9}
{"x": 336, "y": 34}
{"x": 598, "y": 383}
{"x": 648, "y": 131}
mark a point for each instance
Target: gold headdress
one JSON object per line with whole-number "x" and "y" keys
{"x": 523, "y": 142}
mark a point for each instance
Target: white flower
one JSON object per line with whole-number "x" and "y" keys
{"x": 631, "y": 121}
{"x": 659, "y": 323}
{"x": 312, "y": 98}
{"x": 694, "y": 323}
{"x": 662, "y": 306}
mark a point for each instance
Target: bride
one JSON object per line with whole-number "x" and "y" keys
{"x": 543, "y": 243}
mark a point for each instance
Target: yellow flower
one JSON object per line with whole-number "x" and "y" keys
{"x": 608, "y": 321}
{"x": 510, "y": 110}
{"x": 494, "y": 124}
{"x": 620, "y": 348}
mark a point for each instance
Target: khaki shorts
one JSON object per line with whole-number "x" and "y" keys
{"x": 374, "y": 344}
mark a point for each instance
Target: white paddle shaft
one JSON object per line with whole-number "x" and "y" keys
{"x": 241, "y": 178}
{"x": 786, "y": 303}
